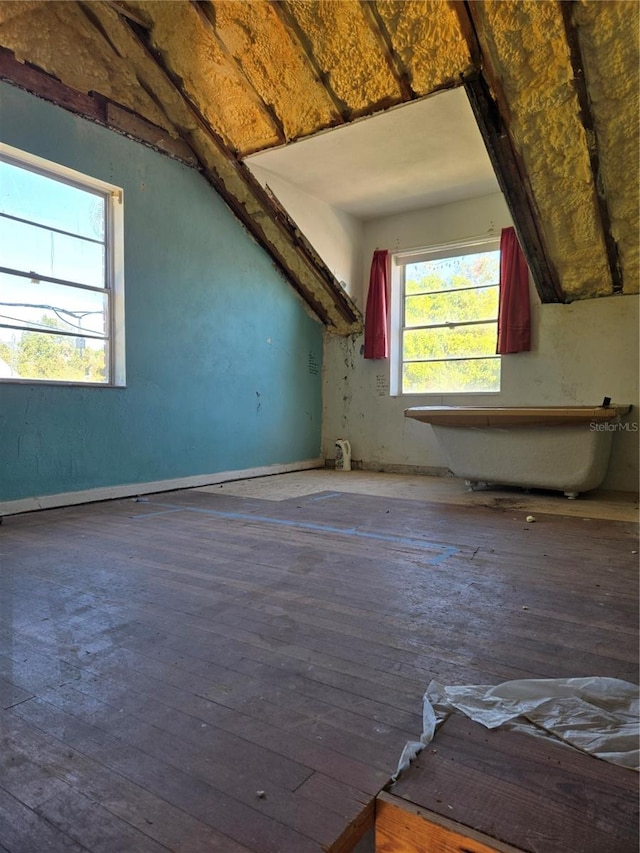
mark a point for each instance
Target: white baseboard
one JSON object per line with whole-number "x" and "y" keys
{"x": 127, "y": 490}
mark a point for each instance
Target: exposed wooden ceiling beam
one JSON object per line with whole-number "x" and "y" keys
{"x": 381, "y": 34}
{"x": 299, "y": 38}
{"x": 95, "y": 21}
{"x": 492, "y": 117}
{"x": 121, "y": 9}
{"x": 94, "y": 106}
{"x": 468, "y": 32}
{"x": 514, "y": 185}
{"x": 303, "y": 268}
{"x": 32, "y": 79}
{"x": 206, "y": 13}
{"x": 586, "y": 117}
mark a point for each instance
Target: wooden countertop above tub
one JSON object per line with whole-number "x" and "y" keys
{"x": 508, "y": 416}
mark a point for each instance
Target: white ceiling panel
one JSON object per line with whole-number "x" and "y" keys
{"x": 422, "y": 154}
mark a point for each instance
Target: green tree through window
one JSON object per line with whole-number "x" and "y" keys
{"x": 448, "y": 338}
{"x": 32, "y": 355}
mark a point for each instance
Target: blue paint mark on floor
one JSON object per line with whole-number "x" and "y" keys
{"x": 325, "y": 497}
{"x": 446, "y": 551}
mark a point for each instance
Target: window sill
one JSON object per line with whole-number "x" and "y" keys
{"x": 67, "y": 383}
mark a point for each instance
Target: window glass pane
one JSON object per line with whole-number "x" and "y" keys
{"x": 450, "y": 377}
{"x": 38, "y": 355}
{"x": 32, "y": 196}
{"x": 466, "y": 305}
{"x": 458, "y": 342}
{"x": 53, "y": 225}
{"x": 451, "y": 273}
{"x": 38, "y": 304}
{"x": 33, "y": 249}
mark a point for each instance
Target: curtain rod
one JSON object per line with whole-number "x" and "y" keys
{"x": 464, "y": 246}
{"x": 492, "y": 234}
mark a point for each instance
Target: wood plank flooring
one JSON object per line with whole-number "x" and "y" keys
{"x": 203, "y": 671}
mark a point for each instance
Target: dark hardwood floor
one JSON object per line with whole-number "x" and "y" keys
{"x": 203, "y": 672}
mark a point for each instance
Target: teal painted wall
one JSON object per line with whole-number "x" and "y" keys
{"x": 223, "y": 361}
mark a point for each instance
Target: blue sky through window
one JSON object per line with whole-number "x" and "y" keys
{"x": 36, "y": 247}
{"x": 43, "y": 252}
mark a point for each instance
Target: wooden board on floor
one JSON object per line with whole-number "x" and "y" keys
{"x": 402, "y": 827}
{"x": 499, "y": 788}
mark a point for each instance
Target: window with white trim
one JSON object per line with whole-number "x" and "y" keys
{"x": 445, "y": 317}
{"x": 61, "y": 274}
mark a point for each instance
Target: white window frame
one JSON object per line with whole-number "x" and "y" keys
{"x": 114, "y": 260}
{"x": 401, "y": 259}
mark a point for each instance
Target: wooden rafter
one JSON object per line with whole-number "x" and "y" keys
{"x": 94, "y": 106}
{"x": 95, "y": 21}
{"x": 127, "y": 13}
{"x": 514, "y": 185}
{"x": 300, "y": 39}
{"x": 492, "y": 116}
{"x": 396, "y": 66}
{"x": 206, "y": 14}
{"x": 296, "y": 259}
{"x": 586, "y": 117}
{"x": 468, "y": 31}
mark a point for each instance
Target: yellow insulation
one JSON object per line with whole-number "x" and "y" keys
{"x": 248, "y": 63}
{"x": 344, "y": 44}
{"x": 60, "y": 39}
{"x": 531, "y": 56}
{"x": 308, "y": 278}
{"x": 426, "y": 36}
{"x": 208, "y": 78}
{"x": 608, "y": 34}
{"x": 275, "y": 66}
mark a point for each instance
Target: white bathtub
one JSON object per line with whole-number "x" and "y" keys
{"x": 548, "y": 447}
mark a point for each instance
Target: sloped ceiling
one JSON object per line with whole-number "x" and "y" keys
{"x": 553, "y": 85}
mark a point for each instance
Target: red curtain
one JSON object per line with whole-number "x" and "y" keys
{"x": 376, "y": 342}
{"x": 514, "y": 316}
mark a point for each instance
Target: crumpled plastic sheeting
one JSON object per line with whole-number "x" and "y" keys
{"x": 413, "y": 747}
{"x": 600, "y": 716}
